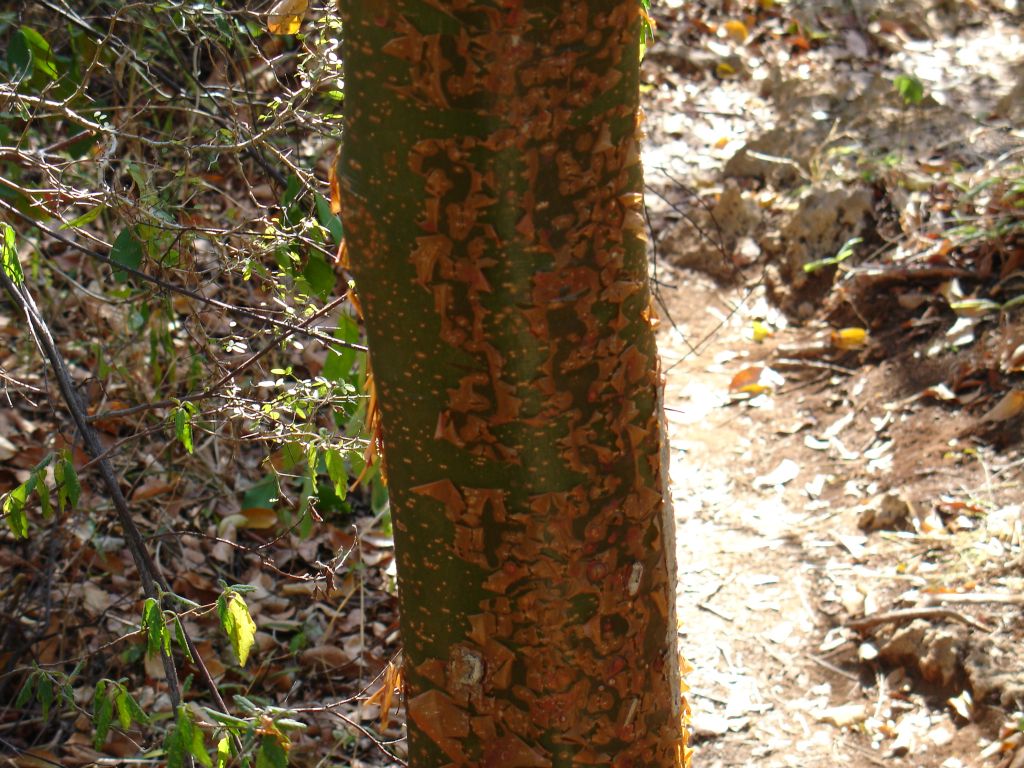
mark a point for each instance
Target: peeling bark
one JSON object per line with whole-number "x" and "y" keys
{"x": 490, "y": 184}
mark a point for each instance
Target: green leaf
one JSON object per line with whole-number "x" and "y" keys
{"x": 183, "y": 425}
{"x": 85, "y": 218}
{"x": 135, "y": 712}
{"x": 272, "y": 753}
{"x": 42, "y": 55}
{"x": 43, "y": 493}
{"x": 184, "y": 740}
{"x": 9, "y": 255}
{"x": 336, "y": 471}
{"x": 910, "y": 89}
{"x": 179, "y": 636}
{"x": 44, "y": 692}
{"x": 126, "y": 251}
{"x": 223, "y": 752}
{"x": 68, "y": 489}
{"x": 19, "y": 57}
{"x": 338, "y": 365}
{"x": 237, "y": 623}
{"x": 102, "y": 714}
{"x": 14, "y": 508}
{"x": 328, "y": 220}
{"x": 124, "y": 715}
{"x": 158, "y": 639}
{"x": 842, "y": 255}
{"x": 320, "y": 275}
{"x": 25, "y": 694}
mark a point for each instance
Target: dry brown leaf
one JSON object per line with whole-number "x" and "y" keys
{"x": 324, "y": 655}
{"x": 285, "y": 17}
{"x": 258, "y": 518}
{"x": 150, "y": 489}
{"x": 1011, "y": 404}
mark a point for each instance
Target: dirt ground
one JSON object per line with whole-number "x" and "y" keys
{"x": 848, "y": 501}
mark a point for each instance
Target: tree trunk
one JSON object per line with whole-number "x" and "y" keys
{"x": 490, "y": 185}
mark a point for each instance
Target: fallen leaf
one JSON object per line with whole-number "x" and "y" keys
{"x": 736, "y": 30}
{"x": 324, "y": 655}
{"x": 939, "y": 392}
{"x": 760, "y": 331}
{"x": 974, "y": 307}
{"x": 787, "y": 471}
{"x": 843, "y": 715}
{"x": 258, "y": 518}
{"x": 1009, "y": 406}
{"x": 963, "y": 705}
{"x": 755, "y": 380}
{"x": 849, "y": 338}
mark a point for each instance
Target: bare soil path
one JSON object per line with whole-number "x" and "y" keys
{"x": 849, "y": 506}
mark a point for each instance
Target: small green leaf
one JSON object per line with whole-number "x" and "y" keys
{"x": 43, "y": 493}
{"x": 184, "y": 740}
{"x": 223, "y": 752}
{"x": 329, "y": 220}
{"x": 14, "y": 508}
{"x": 68, "y": 489}
{"x": 9, "y": 255}
{"x": 336, "y": 471}
{"x": 91, "y": 215}
{"x": 42, "y": 55}
{"x": 179, "y": 636}
{"x": 25, "y": 694}
{"x": 158, "y": 639}
{"x": 44, "y": 692}
{"x": 126, "y": 251}
{"x": 842, "y": 255}
{"x": 237, "y": 623}
{"x": 124, "y": 715}
{"x": 102, "y": 714}
{"x": 183, "y": 426}
{"x": 134, "y": 710}
{"x": 320, "y": 275}
{"x": 910, "y": 89}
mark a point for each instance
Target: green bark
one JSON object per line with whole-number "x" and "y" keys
{"x": 490, "y": 185}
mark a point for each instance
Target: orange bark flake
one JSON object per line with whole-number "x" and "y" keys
{"x": 443, "y": 721}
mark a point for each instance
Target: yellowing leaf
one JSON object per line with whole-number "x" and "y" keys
{"x": 237, "y": 623}
{"x": 737, "y": 30}
{"x": 724, "y": 70}
{"x": 849, "y": 338}
{"x": 285, "y": 17}
{"x": 755, "y": 380}
{"x": 974, "y": 307}
{"x": 1011, "y": 404}
{"x": 760, "y": 331}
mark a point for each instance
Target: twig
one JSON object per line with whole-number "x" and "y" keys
{"x": 231, "y": 373}
{"x": 172, "y": 288}
{"x": 832, "y": 667}
{"x": 910, "y": 614}
{"x": 368, "y": 734}
{"x": 153, "y": 584}
{"x": 151, "y": 580}
{"x": 975, "y": 598}
{"x": 788, "y": 362}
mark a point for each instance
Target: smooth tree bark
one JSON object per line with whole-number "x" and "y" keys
{"x": 490, "y": 187}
